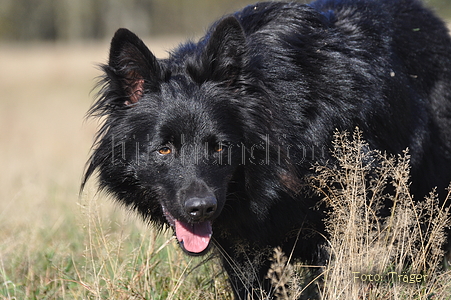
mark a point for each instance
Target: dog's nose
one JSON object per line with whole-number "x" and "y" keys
{"x": 200, "y": 209}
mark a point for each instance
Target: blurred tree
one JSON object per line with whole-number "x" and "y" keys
{"x": 68, "y": 20}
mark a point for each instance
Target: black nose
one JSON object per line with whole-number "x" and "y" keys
{"x": 201, "y": 208}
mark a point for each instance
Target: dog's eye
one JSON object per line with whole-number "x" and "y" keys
{"x": 219, "y": 147}
{"x": 165, "y": 150}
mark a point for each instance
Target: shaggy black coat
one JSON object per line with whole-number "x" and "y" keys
{"x": 216, "y": 140}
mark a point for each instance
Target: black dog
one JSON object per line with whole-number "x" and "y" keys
{"x": 213, "y": 140}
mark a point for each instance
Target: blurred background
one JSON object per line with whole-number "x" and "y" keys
{"x": 49, "y": 50}
{"x": 66, "y": 20}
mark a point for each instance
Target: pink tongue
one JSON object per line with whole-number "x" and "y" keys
{"x": 195, "y": 237}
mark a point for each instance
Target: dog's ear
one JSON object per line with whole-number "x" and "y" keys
{"x": 222, "y": 59}
{"x": 135, "y": 68}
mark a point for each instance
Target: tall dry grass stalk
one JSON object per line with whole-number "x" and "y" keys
{"x": 375, "y": 252}
{"x": 383, "y": 243}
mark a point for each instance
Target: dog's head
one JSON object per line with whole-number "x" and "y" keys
{"x": 176, "y": 130}
{"x": 165, "y": 147}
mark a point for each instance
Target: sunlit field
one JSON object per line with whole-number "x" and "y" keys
{"x": 58, "y": 244}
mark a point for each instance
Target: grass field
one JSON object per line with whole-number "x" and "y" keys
{"x": 55, "y": 244}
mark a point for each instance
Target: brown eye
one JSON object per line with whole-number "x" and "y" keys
{"x": 219, "y": 148}
{"x": 165, "y": 151}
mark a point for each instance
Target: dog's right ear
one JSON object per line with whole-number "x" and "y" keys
{"x": 132, "y": 68}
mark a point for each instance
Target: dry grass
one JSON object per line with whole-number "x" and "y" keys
{"x": 396, "y": 256}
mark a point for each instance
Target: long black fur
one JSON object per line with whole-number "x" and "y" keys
{"x": 229, "y": 118}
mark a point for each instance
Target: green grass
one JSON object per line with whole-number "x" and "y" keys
{"x": 100, "y": 255}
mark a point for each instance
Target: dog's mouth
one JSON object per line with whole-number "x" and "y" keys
{"x": 193, "y": 238}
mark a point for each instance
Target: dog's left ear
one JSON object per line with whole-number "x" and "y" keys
{"x": 222, "y": 59}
